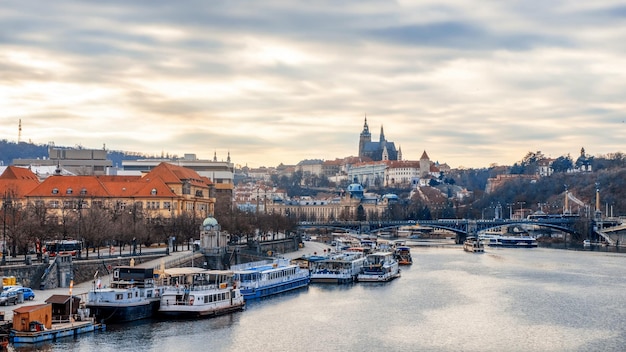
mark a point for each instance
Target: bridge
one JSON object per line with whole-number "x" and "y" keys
{"x": 461, "y": 227}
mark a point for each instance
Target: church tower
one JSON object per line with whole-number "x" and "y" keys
{"x": 364, "y": 138}
{"x": 424, "y": 165}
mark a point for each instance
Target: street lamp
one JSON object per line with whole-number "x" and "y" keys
{"x": 7, "y": 203}
{"x": 4, "y": 231}
{"x": 521, "y": 210}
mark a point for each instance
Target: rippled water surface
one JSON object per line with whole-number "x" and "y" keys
{"x": 502, "y": 300}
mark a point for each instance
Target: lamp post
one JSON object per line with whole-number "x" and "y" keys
{"x": 521, "y": 210}
{"x": 4, "y": 231}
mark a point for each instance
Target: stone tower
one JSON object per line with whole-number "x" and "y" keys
{"x": 364, "y": 138}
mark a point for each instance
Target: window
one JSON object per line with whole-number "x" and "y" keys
{"x": 153, "y": 192}
{"x": 119, "y": 296}
{"x": 83, "y": 191}
{"x": 186, "y": 187}
{"x": 55, "y": 191}
{"x": 69, "y": 191}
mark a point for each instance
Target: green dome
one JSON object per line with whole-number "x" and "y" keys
{"x": 209, "y": 222}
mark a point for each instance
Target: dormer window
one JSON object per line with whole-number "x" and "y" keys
{"x": 153, "y": 192}
{"x": 68, "y": 191}
{"x": 83, "y": 191}
{"x": 55, "y": 191}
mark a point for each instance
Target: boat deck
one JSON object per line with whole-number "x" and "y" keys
{"x": 58, "y": 330}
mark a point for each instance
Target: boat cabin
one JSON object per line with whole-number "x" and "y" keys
{"x": 63, "y": 306}
{"x": 32, "y": 318}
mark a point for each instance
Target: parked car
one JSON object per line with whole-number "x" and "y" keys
{"x": 29, "y": 295}
{"x": 10, "y": 287}
{"x": 8, "y": 297}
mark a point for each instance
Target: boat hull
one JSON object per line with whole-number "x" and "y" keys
{"x": 273, "y": 289}
{"x": 20, "y": 338}
{"x": 187, "y": 312}
{"x": 377, "y": 276}
{"x": 115, "y": 314}
{"x": 333, "y": 279}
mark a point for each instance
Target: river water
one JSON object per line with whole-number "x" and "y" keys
{"x": 502, "y": 300}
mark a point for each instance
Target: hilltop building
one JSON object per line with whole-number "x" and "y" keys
{"x": 377, "y": 151}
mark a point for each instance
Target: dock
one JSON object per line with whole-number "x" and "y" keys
{"x": 58, "y": 330}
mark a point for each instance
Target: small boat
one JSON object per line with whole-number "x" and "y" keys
{"x": 265, "y": 278}
{"x": 131, "y": 295}
{"x": 587, "y": 243}
{"x": 194, "y": 292}
{"x": 474, "y": 245}
{"x": 403, "y": 255}
{"x": 339, "y": 268}
{"x": 379, "y": 266}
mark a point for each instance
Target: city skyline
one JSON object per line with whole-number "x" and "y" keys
{"x": 279, "y": 82}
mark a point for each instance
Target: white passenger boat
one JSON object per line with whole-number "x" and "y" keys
{"x": 194, "y": 292}
{"x": 474, "y": 245}
{"x": 379, "y": 266}
{"x": 339, "y": 268}
{"x": 523, "y": 241}
{"x": 265, "y": 278}
{"x": 131, "y": 295}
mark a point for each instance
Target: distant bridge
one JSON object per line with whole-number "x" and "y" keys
{"x": 461, "y": 227}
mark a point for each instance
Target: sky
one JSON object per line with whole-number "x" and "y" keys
{"x": 473, "y": 83}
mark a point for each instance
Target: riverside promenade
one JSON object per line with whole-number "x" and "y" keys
{"x": 81, "y": 289}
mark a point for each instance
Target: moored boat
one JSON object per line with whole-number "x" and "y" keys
{"x": 193, "y": 292}
{"x": 474, "y": 245}
{"x": 339, "y": 268}
{"x": 131, "y": 295}
{"x": 266, "y": 278}
{"x": 509, "y": 241}
{"x": 403, "y": 255}
{"x": 379, "y": 266}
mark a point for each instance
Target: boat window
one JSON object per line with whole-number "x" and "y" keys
{"x": 130, "y": 295}
{"x": 119, "y": 296}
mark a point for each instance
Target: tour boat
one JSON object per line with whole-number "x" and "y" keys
{"x": 403, "y": 255}
{"x": 379, "y": 266}
{"x": 194, "y": 292}
{"x": 265, "y": 278}
{"x": 339, "y": 268}
{"x": 474, "y": 245}
{"x": 524, "y": 241}
{"x": 131, "y": 295}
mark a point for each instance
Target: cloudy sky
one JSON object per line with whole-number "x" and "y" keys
{"x": 471, "y": 82}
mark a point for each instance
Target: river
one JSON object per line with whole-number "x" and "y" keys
{"x": 502, "y": 300}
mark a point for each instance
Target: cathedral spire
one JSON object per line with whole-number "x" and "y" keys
{"x": 366, "y": 129}
{"x": 382, "y": 134}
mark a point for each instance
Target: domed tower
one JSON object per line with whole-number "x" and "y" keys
{"x": 364, "y": 138}
{"x": 355, "y": 190}
{"x": 212, "y": 240}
